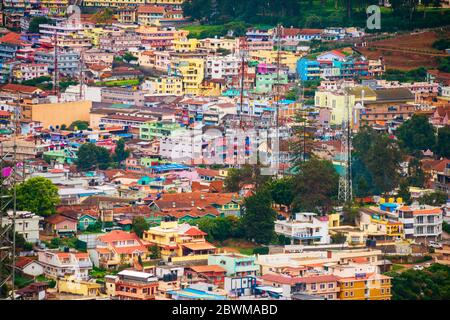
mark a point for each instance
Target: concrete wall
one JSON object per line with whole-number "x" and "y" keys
{"x": 61, "y": 113}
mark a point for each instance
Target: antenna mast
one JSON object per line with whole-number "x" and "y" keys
{"x": 345, "y": 194}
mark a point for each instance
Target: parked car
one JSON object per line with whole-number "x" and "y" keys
{"x": 434, "y": 244}
{"x": 418, "y": 267}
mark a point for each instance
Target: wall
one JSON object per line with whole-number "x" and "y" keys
{"x": 61, "y": 113}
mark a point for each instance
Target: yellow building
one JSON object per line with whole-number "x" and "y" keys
{"x": 365, "y": 287}
{"x": 179, "y": 242}
{"x": 336, "y": 102}
{"x": 53, "y": 114}
{"x": 77, "y": 287}
{"x": 168, "y": 85}
{"x": 287, "y": 58}
{"x": 192, "y": 71}
{"x": 94, "y": 35}
{"x": 184, "y": 45}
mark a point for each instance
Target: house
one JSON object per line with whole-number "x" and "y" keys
{"x": 325, "y": 286}
{"x": 421, "y": 222}
{"x": 135, "y": 285}
{"x": 214, "y": 274}
{"x": 179, "y": 243}
{"x": 29, "y": 266}
{"x": 34, "y": 291}
{"x": 61, "y": 225}
{"x": 26, "y": 224}
{"x": 307, "y": 227}
{"x": 85, "y": 221}
{"x": 363, "y": 286}
{"x": 78, "y": 287}
{"x": 235, "y": 264}
{"x": 58, "y": 264}
{"x": 117, "y": 248}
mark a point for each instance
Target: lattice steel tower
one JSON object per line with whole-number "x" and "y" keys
{"x": 345, "y": 194}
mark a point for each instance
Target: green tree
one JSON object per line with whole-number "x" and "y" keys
{"x": 79, "y": 125}
{"x": 416, "y": 134}
{"x": 442, "y": 148}
{"x": 338, "y": 238}
{"x": 140, "y": 225}
{"x": 120, "y": 154}
{"x": 155, "y": 252}
{"x": 315, "y": 186}
{"x": 90, "y": 156}
{"x": 128, "y": 57}
{"x": 403, "y": 191}
{"x": 259, "y": 217}
{"x": 437, "y": 198}
{"x": 416, "y": 175}
{"x": 36, "y": 21}
{"x": 281, "y": 191}
{"x": 38, "y": 195}
{"x": 370, "y": 149}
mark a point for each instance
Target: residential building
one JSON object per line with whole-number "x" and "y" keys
{"x": 214, "y": 274}
{"x": 421, "y": 222}
{"x": 29, "y": 266}
{"x": 119, "y": 41}
{"x": 235, "y": 264}
{"x": 26, "y": 224}
{"x": 305, "y": 228}
{"x": 152, "y": 130}
{"x": 28, "y": 71}
{"x": 123, "y": 95}
{"x": 60, "y": 264}
{"x": 168, "y": 85}
{"x": 365, "y": 286}
{"x": 135, "y": 285}
{"x": 222, "y": 67}
{"x": 68, "y": 61}
{"x": 78, "y": 287}
{"x": 149, "y": 14}
{"x": 192, "y": 71}
{"x": 179, "y": 243}
{"x": 265, "y": 82}
{"x": 61, "y": 225}
{"x": 117, "y": 248}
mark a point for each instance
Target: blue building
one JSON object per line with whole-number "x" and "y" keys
{"x": 308, "y": 69}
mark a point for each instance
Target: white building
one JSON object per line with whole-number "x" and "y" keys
{"x": 27, "y": 224}
{"x": 60, "y": 264}
{"x": 422, "y": 222}
{"x": 218, "y": 67}
{"x": 305, "y": 228}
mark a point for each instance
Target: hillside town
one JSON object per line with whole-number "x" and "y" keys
{"x": 143, "y": 159}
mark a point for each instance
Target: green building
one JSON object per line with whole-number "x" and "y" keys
{"x": 151, "y": 130}
{"x": 265, "y": 82}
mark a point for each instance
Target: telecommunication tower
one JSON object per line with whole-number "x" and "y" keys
{"x": 345, "y": 194}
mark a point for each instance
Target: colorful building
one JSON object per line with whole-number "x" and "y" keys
{"x": 235, "y": 264}
{"x": 179, "y": 243}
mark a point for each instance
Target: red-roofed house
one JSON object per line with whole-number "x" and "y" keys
{"x": 118, "y": 248}
{"x": 60, "y": 264}
{"x": 149, "y": 14}
{"x": 214, "y": 274}
{"x": 61, "y": 225}
{"x": 29, "y": 266}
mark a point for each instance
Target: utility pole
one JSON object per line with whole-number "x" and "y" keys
{"x": 55, "y": 44}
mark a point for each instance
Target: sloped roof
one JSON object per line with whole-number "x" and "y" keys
{"x": 394, "y": 94}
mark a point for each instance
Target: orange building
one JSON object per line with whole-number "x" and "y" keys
{"x": 135, "y": 285}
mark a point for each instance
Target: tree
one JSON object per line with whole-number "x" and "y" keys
{"x": 442, "y": 148}
{"x": 38, "y": 195}
{"x": 281, "y": 191}
{"x": 128, "y": 57}
{"x": 416, "y": 175}
{"x": 350, "y": 214}
{"x": 430, "y": 284}
{"x": 416, "y": 134}
{"x": 338, "y": 238}
{"x": 140, "y": 225}
{"x": 403, "y": 191}
{"x": 303, "y": 138}
{"x": 437, "y": 198}
{"x": 79, "y": 125}
{"x": 155, "y": 252}
{"x": 120, "y": 154}
{"x": 315, "y": 186}
{"x": 36, "y": 21}
{"x": 90, "y": 156}
{"x": 370, "y": 150}
{"x": 247, "y": 174}
{"x": 259, "y": 217}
